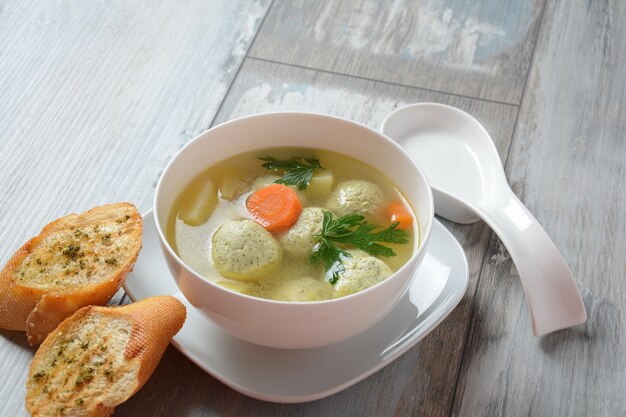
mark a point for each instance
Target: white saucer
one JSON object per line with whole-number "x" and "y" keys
{"x": 291, "y": 376}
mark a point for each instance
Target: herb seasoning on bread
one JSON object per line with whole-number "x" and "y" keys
{"x": 100, "y": 356}
{"x": 75, "y": 261}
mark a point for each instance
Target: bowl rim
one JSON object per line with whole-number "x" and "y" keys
{"x": 424, "y": 238}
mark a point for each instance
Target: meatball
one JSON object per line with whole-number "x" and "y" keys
{"x": 303, "y": 289}
{"x": 299, "y": 240}
{"x": 244, "y": 250}
{"x": 361, "y": 271}
{"x": 356, "y": 196}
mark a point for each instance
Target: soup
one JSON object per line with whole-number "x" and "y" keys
{"x": 293, "y": 224}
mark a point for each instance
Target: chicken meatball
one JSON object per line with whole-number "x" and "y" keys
{"x": 361, "y": 271}
{"x": 355, "y": 196}
{"x": 303, "y": 289}
{"x": 244, "y": 250}
{"x": 299, "y": 240}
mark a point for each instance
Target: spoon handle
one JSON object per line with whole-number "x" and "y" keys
{"x": 553, "y": 298}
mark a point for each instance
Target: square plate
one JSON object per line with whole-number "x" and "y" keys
{"x": 292, "y": 376}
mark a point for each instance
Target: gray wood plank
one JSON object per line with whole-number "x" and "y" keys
{"x": 95, "y": 97}
{"x": 568, "y": 163}
{"x": 15, "y": 357}
{"x": 419, "y": 383}
{"x": 479, "y": 49}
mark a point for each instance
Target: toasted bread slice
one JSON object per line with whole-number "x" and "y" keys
{"x": 100, "y": 356}
{"x": 75, "y": 261}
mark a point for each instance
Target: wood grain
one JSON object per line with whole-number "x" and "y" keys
{"x": 568, "y": 163}
{"x": 95, "y": 98}
{"x": 479, "y": 49}
{"x": 419, "y": 383}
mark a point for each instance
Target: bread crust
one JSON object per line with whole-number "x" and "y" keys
{"x": 155, "y": 321}
{"x": 39, "y": 310}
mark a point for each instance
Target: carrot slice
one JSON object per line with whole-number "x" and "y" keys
{"x": 397, "y": 212}
{"x": 274, "y": 207}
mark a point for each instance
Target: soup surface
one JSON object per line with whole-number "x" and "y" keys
{"x": 293, "y": 224}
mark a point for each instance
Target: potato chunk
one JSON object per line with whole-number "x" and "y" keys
{"x": 234, "y": 181}
{"x": 321, "y": 183}
{"x": 199, "y": 200}
{"x": 264, "y": 181}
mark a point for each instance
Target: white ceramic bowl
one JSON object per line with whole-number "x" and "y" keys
{"x": 293, "y": 324}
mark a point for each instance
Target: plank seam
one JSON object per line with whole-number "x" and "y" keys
{"x": 530, "y": 67}
{"x": 391, "y": 83}
{"x": 243, "y": 61}
{"x": 125, "y": 296}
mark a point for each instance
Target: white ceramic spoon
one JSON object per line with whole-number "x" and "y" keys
{"x": 463, "y": 167}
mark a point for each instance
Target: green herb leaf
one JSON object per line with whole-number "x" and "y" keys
{"x": 351, "y": 230}
{"x": 296, "y": 171}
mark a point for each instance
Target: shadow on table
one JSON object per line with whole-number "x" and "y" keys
{"x": 604, "y": 329}
{"x": 180, "y": 388}
{"x": 17, "y": 338}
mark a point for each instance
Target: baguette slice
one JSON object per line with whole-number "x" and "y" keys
{"x": 100, "y": 356}
{"x": 75, "y": 261}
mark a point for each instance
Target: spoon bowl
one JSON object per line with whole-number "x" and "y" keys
{"x": 462, "y": 165}
{"x": 431, "y": 137}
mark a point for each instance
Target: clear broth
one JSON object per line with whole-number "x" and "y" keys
{"x": 193, "y": 243}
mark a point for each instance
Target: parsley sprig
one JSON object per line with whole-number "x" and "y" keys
{"x": 297, "y": 171}
{"x": 351, "y": 230}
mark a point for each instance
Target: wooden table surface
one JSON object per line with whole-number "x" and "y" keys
{"x": 96, "y": 97}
